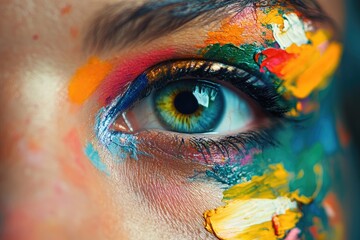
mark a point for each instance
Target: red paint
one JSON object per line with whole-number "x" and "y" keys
{"x": 274, "y": 60}
{"x": 276, "y": 225}
{"x": 127, "y": 70}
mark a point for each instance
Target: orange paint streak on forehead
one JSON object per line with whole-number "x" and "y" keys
{"x": 87, "y": 79}
{"x": 247, "y": 27}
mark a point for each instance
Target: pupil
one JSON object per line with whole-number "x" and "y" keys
{"x": 186, "y": 103}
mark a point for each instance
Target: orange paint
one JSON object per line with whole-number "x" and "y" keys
{"x": 246, "y": 27}
{"x": 74, "y": 32}
{"x": 65, "y": 10}
{"x": 87, "y": 78}
{"x": 333, "y": 208}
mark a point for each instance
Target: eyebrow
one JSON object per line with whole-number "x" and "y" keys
{"x": 121, "y": 24}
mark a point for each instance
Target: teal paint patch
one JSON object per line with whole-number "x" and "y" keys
{"x": 311, "y": 183}
{"x": 94, "y": 158}
{"x": 122, "y": 146}
{"x": 232, "y": 174}
{"x": 243, "y": 56}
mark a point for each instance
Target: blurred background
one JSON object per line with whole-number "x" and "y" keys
{"x": 348, "y": 86}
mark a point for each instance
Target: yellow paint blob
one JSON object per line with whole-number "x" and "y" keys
{"x": 87, "y": 78}
{"x": 250, "y": 206}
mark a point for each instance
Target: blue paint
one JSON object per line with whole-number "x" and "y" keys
{"x": 94, "y": 158}
{"x": 328, "y": 136}
{"x": 123, "y": 145}
{"x": 119, "y": 144}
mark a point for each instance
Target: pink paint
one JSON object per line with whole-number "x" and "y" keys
{"x": 73, "y": 142}
{"x": 293, "y": 234}
{"x": 127, "y": 70}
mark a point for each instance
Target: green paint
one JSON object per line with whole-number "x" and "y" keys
{"x": 242, "y": 56}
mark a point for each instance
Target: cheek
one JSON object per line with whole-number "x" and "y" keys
{"x": 164, "y": 187}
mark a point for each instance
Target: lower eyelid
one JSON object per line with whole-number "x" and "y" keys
{"x": 203, "y": 149}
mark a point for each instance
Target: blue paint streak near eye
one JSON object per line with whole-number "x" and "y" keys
{"x": 120, "y": 144}
{"x": 94, "y": 157}
{"x": 123, "y": 145}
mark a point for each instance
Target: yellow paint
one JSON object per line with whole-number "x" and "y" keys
{"x": 273, "y": 17}
{"x": 225, "y": 222}
{"x": 270, "y": 185}
{"x": 87, "y": 78}
{"x": 266, "y": 231}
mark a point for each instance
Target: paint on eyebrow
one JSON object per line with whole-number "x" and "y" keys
{"x": 87, "y": 79}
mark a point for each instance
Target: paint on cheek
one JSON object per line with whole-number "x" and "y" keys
{"x": 239, "y": 171}
{"x": 94, "y": 158}
{"x": 250, "y": 208}
{"x": 87, "y": 79}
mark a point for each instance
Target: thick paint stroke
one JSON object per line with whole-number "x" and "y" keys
{"x": 228, "y": 222}
{"x": 87, "y": 79}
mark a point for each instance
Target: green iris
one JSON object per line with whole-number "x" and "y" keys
{"x": 190, "y": 106}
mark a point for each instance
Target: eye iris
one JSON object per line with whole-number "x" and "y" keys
{"x": 189, "y": 106}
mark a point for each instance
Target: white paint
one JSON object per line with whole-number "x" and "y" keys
{"x": 246, "y": 213}
{"x": 293, "y": 31}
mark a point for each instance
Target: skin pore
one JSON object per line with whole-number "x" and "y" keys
{"x": 62, "y": 177}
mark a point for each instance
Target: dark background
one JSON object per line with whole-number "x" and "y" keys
{"x": 348, "y": 85}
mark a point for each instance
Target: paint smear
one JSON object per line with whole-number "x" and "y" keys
{"x": 250, "y": 208}
{"x": 128, "y": 70}
{"x": 243, "y": 29}
{"x": 65, "y": 10}
{"x": 94, "y": 158}
{"x": 304, "y": 68}
{"x": 87, "y": 78}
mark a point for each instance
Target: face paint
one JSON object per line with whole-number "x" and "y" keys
{"x": 94, "y": 157}
{"x": 293, "y": 58}
{"x": 87, "y": 79}
{"x": 275, "y": 56}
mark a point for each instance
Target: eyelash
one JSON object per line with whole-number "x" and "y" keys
{"x": 257, "y": 86}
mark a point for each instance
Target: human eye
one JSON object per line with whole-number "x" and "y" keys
{"x": 203, "y": 106}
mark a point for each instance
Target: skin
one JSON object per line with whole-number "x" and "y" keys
{"x": 48, "y": 186}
